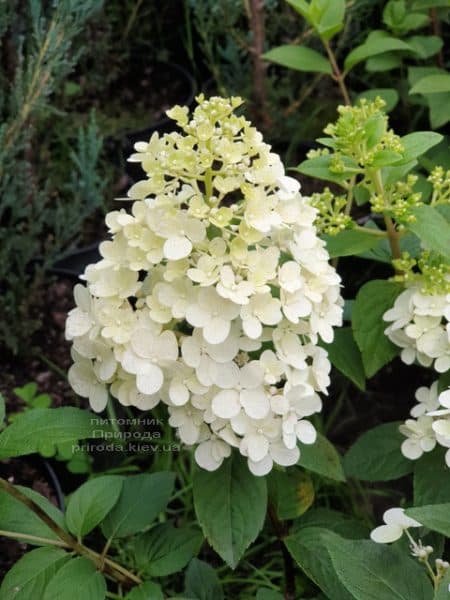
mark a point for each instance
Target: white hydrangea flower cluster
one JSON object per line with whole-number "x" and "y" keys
{"x": 211, "y": 295}
{"x": 420, "y": 325}
{"x": 429, "y": 425}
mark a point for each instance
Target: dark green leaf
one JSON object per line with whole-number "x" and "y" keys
{"x": 417, "y": 143}
{"x": 319, "y": 167}
{"x": 309, "y": 549}
{"x": 165, "y": 549}
{"x": 372, "y": 301}
{"x": 332, "y": 520}
{"x": 372, "y": 571}
{"x": 143, "y": 497}
{"x": 91, "y": 502}
{"x": 344, "y": 354}
{"x": 425, "y": 45}
{"x": 146, "y": 591}
{"x": 299, "y": 58}
{"x": 431, "y": 478}
{"x": 232, "y": 519}
{"x": 78, "y": 579}
{"x": 291, "y": 492}
{"x": 201, "y": 582}
{"x": 29, "y": 577}
{"x": 376, "y": 455}
{"x": 322, "y": 458}
{"x": 15, "y": 516}
{"x": 54, "y": 425}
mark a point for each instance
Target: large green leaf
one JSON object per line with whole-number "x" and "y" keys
{"x": 417, "y": 143}
{"x": 319, "y": 167}
{"x": 291, "y": 492}
{"x": 433, "y": 84}
{"x": 372, "y": 301}
{"x": 434, "y": 516}
{"x": 231, "y": 519}
{"x": 52, "y": 425}
{"x": 15, "y": 516}
{"x": 29, "y": 577}
{"x": 308, "y": 548}
{"x": 431, "y": 478}
{"x": 299, "y": 58}
{"x": 91, "y": 502}
{"x": 344, "y": 354}
{"x": 376, "y": 455}
{"x": 142, "y": 498}
{"x": 165, "y": 549}
{"x": 425, "y": 45}
{"x": 372, "y": 571}
{"x": 322, "y": 458}
{"x": 201, "y": 582}
{"x": 371, "y": 47}
{"x": 350, "y": 242}
{"x": 146, "y": 591}
{"x": 78, "y": 579}
{"x": 432, "y": 229}
{"x": 335, "y": 521}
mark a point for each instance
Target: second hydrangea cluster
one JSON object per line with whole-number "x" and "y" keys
{"x": 212, "y": 295}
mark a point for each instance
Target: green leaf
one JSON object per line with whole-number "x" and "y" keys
{"x": 434, "y": 516}
{"x": 201, "y": 582}
{"x": 29, "y": 577}
{"x": 15, "y": 516}
{"x": 373, "y": 46}
{"x": 232, "y": 519}
{"x": 299, "y": 58}
{"x": 332, "y": 520}
{"x": 350, "y": 242}
{"x": 291, "y": 492}
{"x": 78, "y": 579}
{"x": 91, "y": 502}
{"x": 142, "y": 498}
{"x": 425, "y": 45}
{"x": 417, "y": 143}
{"x": 327, "y": 17}
{"x": 372, "y": 301}
{"x": 431, "y": 478}
{"x": 383, "y": 62}
{"x": 389, "y": 95}
{"x": 146, "y": 591}
{"x": 309, "y": 550}
{"x": 319, "y": 167}
{"x": 344, "y": 354}
{"x": 301, "y": 6}
{"x": 165, "y": 549}
{"x": 55, "y": 425}
{"x": 433, "y": 84}
{"x": 376, "y": 455}
{"x": 432, "y": 229}
{"x": 372, "y": 571}
{"x": 2, "y": 410}
{"x": 322, "y": 458}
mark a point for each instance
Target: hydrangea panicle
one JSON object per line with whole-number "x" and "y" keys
{"x": 237, "y": 291}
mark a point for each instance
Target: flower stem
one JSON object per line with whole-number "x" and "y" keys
{"x": 337, "y": 73}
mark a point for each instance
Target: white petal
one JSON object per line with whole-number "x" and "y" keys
{"x": 176, "y": 248}
{"x": 260, "y": 468}
{"x": 305, "y": 432}
{"x": 255, "y": 403}
{"x": 411, "y": 449}
{"x": 385, "y": 534}
{"x": 206, "y": 458}
{"x": 284, "y": 456}
{"x": 178, "y": 393}
{"x": 226, "y": 404}
{"x": 257, "y": 446}
{"x": 151, "y": 381}
{"x": 216, "y": 330}
{"x": 98, "y": 397}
